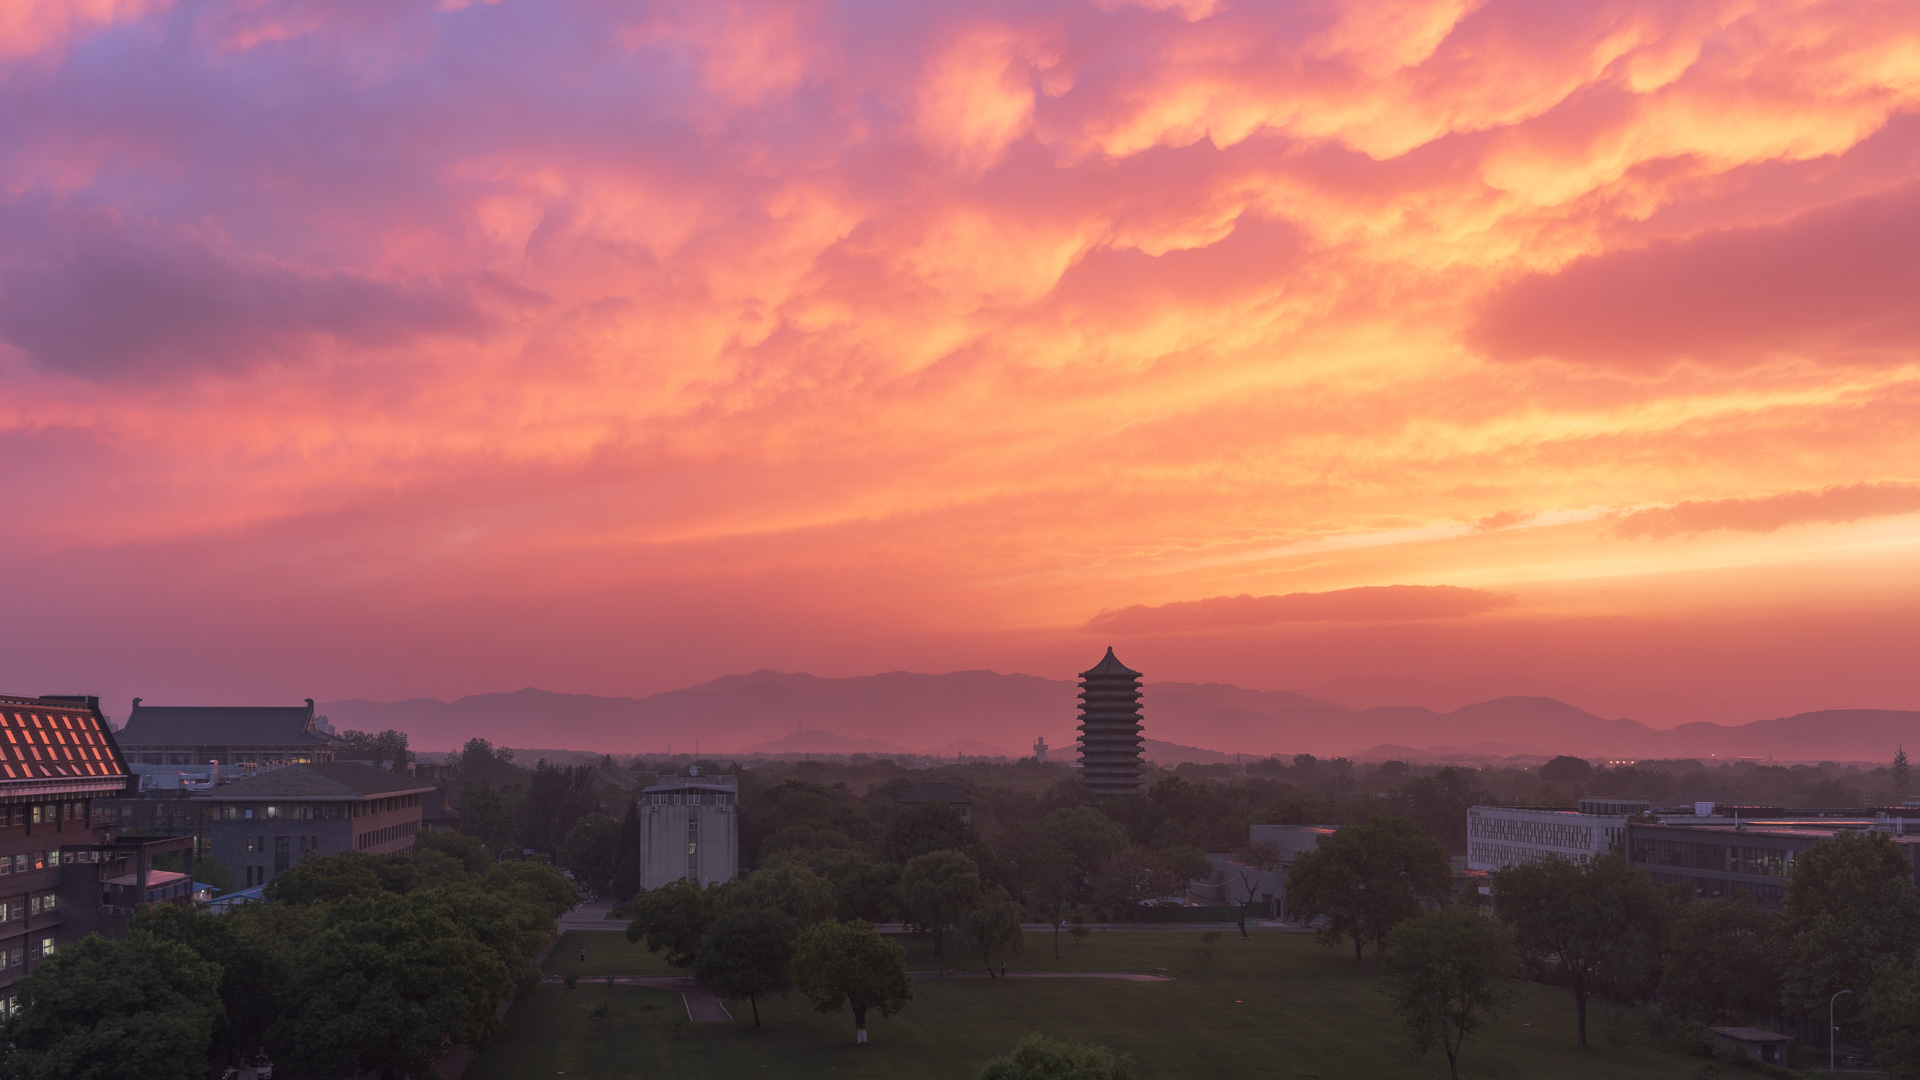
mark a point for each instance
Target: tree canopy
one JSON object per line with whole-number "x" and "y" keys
{"x": 849, "y": 964}
{"x": 1365, "y": 879}
{"x": 1443, "y": 975}
{"x": 105, "y": 1010}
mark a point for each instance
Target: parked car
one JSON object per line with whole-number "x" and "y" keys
{"x": 262, "y": 1068}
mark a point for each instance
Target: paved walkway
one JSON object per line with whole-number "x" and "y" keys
{"x": 590, "y": 917}
{"x": 1124, "y": 976}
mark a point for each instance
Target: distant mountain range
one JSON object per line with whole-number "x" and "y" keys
{"x": 984, "y": 713}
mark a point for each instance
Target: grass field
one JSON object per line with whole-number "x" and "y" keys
{"x": 1274, "y": 1006}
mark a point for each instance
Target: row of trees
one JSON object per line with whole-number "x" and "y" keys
{"x": 357, "y": 964}
{"x": 1851, "y": 921}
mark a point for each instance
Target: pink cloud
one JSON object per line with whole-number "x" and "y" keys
{"x": 1766, "y": 513}
{"x": 1372, "y": 603}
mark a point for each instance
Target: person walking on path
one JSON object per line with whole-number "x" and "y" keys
{"x": 583, "y": 956}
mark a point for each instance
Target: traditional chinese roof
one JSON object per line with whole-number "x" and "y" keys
{"x": 326, "y": 780}
{"x": 55, "y": 744}
{"x": 1110, "y": 665}
{"x": 216, "y": 725}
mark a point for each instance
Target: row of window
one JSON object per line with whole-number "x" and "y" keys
{"x": 177, "y": 758}
{"x": 1529, "y": 831}
{"x": 314, "y": 811}
{"x": 1768, "y": 895}
{"x": 37, "y": 949}
{"x": 43, "y": 813}
{"x": 1729, "y": 858}
{"x": 33, "y": 905}
{"x": 692, "y": 798}
{"x": 1482, "y": 853}
{"x": 376, "y": 837}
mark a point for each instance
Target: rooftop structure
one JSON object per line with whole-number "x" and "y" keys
{"x": 1110, "y": 725}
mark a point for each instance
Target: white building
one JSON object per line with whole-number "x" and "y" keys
{"x": 1503, "y": 836}
{"x": 689, "y": 828}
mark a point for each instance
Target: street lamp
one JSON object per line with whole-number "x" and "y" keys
{"x": 1831, "y": 1028}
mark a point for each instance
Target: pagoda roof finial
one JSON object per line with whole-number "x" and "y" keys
{"x": 1110, "y": 665}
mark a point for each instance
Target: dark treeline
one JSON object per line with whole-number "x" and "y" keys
{"x": 356, "y": 964}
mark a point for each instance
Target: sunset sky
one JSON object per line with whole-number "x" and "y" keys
{"x": 1399, "y": 351}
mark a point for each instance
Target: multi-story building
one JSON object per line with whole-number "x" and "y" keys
{"x": 266, "y": 823}
{"x": 1717, "y": 856}
{"x": 689, "y": 828}
{"x": 1503, "y": 836}
{"x": 60, "y": 866}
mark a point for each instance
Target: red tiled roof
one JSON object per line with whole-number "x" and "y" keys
{"x": 41, "y": 739}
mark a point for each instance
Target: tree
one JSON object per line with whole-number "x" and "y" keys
{"x": 388, "y": 745}
{"x": 248, "y": 955}
{"x": 1891, "y": 1010}
{"x": 472, "y": 855}
{"x": 1901, "y": 774}
{"x": 490, "y": 814}
{"x": 747, "y": 952}
{"x": 929, "y": 827}
{"x": 558, "y": 796}
{"x": 1139, "y": 874}
{"x": 1443, "y": 976}
{"x": 626, "y": 868}
{"x": 1723, "y": 956}
{"x": 1038, "y": 1057}
{"x": 850, "y": 964}
{"x": 381, "y": 983}
{"x": 592, "y": 851}
{"x": 1596, "y": 920}
{"x": 1250, "y": 868}
{"x": 1851, "y": 904}
{"x": 1566, "y": 771}
{"x": 993, "y": 927}
{"x": 328, "y": 878}
{"x": 1439, "y": 804}
{"x": 102, "y": 1010}
{"x": 1367, "y": 878}
{"x": 672, "y": 919}
{"x": 863, "y": 888}
{"x": 792, "y": 890}
{"x": 938, "y": 888}
{"x": 541, "y": 885}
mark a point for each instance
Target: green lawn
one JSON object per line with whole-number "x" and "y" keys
{"x": 1274, "y": 1006}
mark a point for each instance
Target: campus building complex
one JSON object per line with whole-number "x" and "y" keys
{"x": 1110, "y": 743}
{"x": 690, "y": 828}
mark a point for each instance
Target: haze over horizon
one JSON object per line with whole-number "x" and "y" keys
{"x": 1396, "y": 351}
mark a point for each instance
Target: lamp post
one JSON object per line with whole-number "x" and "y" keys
{"x": 1831, "y": 1028}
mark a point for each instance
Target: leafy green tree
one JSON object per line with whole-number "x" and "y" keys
{"x": 849, "y": 964}
{"x": 558, "y": 796}
{"x": 542, "y": 885}
{"x": 490, "y": 814}
{"x": 472, "y": 855}
{"x": 592, "y": 852}
{"x": 1365, "y": 879}
{"x": 388, "y": 745}
{"x": 103, "y": 1010}
{"x": 1250, "y": 867}
{"x": 926, "y": 828}
{"x": 1444, "y": 971}
{"x": 1439, "y": 804}
{"x": 1139, "y": 874}
{"x": 1038, "y": 1057}
{"x": 1722, "y": 955}
{"x": 381, "y": 982}
{"x": 1902, "y": 773}
{"x": 993, "y": 927}
{"x": 792, "y": 890}
{"x": 1890, "y": 1009}
{"x": 626, "y": 868}
{"x": 329, "y": 878}
{"x": 863, "y": 888}
{"x": 938, "y": 888}
{"x": 1596, "y": 920}
{"x": 248, "y": 952}
{"x": 673, "y": 919}
{"x": 747, "y": 952}
{"x": 1851, "y": 904}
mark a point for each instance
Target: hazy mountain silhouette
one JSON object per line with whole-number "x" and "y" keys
{"x": 980, "y": 711}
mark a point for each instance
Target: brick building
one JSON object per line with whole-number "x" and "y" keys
{"x": 266, "y": 823}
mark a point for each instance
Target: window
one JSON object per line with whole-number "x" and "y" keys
{"x": 47, "y": 902}
{"x": 39, "y": 860}
{"x": 273, "y": 811}
{"x": 33, "y": 906}
{"x": 282, "y": 853}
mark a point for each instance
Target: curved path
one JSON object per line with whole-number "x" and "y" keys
{"x": 702, "y": 1005}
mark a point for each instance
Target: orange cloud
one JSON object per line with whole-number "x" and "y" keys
{"x": 1766, "y": 513}
{"x": 1373, "y": 603}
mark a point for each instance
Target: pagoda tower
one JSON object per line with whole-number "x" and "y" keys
{"x": 1110, "y": 728}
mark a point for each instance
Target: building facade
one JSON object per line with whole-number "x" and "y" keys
{"x": 1716, "y": 857}
{"x": 57, "y": 755}
{"x": 1503, "y": 836}
{"x": 689, "y": 828}
{"x": 237, "y": 739}
{"x": 265, "y": 824}
{"x": 1110, "y": 727}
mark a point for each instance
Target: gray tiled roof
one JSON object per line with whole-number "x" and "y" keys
{"x": 328, "y": 780}
{"x": 203, "y": 725}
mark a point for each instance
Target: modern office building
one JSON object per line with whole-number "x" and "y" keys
{"x": 689, "y": 828}
{"x": 1716, "y": 856}
{"x": 267, "y": 823}
{"x": 1503, "y": 836}
{"x": 1110, "y": 726}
